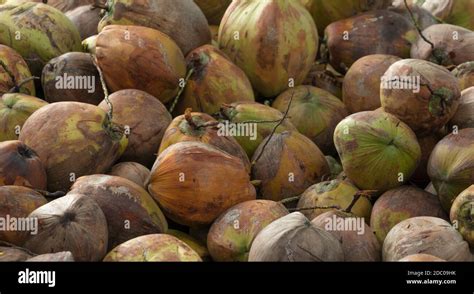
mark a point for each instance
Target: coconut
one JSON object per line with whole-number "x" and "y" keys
{"x": 421, "y": 257}
{"x": 72, "y": 139}
{"x": 153, "y": 248}
{"x": 64, "y": 256}
{"x": 326, "y": 12}
{"x": 17, "y": 202}
{"x": 86, "y": 18}
{"x": 145, "y": 120}
{"x": 132, "y": 171}
{"x": 199, "y": 247}
{"x": 349, "y": 39}
{"x": 451, "y": 165}
{"x": 332, "y": 193}
{"x": 324, "y": 77}
{"x": 72, "y": 223}
{"x": 15, "y": 108}
{"x": 250, "y": 122}
{"x": 190, "y": 181}
{"x": 232, "y": 234}
{"x": 215, "y": 80}
{"x": 14, "y": 70}
{"x": 65, "y": 5}
{"x": 276, "y": 45}
{"x": 49, "y": 33}
{"x": 462, "y": 212}
{"x": 9, "y": 254}
{"x": 402, "y": 203}
{"x": 465, "y": 75}
{"x": 371, "y": 141}
{"x": 453, "y": 45}
{"x": 358, "y": 243}
{"x": 314, "y": 112}
{"x": 423, "y": 95}
{"x": 213, "y": 9}
{"x": 21, "y": 166}
{"x": 191, "y": 127}
{"x": 134, "y": 57}
{"x": 361, "y": 86}
{"x": 128, "y": 208}
{"x": 72, "y": 77}
{"x": 294, "y": 238}
{"x": 464, "y": 116}
{"x": 165, "y": 15}
{"x": 428, "y": 235}
{"x": 287, "y": 164}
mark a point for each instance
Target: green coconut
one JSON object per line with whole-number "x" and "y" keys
{"x": 377, "y": 150}
{"x": 38, "y": 32}
{"x": 275, "y": 42}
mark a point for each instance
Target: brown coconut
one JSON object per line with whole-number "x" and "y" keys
{"x": 287, "y": 165}
{"x": 145, "y": 120}
{"x": 213, "y": 9}
{"x": 427, "y": 143}
{"x": 18, "y": 202}
{"x": 324, "y": 77}
{"x": 86, "y": 18}
{"x": 72, "y": 77}
{"x": 215, "y": 80}
{"x": 361, "y": 86}
{"x": 427, "y": 110}
{"x": 464, "y": 116}
{"x": 72, "y": 223}
{"x": 132, "y": 171}
{"x": 451, "y": 165}
{"x": 314, "y": 112}
{"x": 358, "y": 244}
{"x": 428, "y": 235}
{"x": 453, "y": 45}
{"x": 402, "y": 203}
{"x": 73, "y": 139}
{"x": 135, "y": 57}
{"x": 349, "y": 39}
{"x": 21, "y": 166}
{"x": 190, "y": 182}
{"x": 128, "y": 208}
{"x": 294, "y": 238}
{"x": 231, "y": 235}
{"x": 183, "y": 21}
{"x": 191, "y": 127}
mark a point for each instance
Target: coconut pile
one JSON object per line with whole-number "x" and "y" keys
{"x": 244, "y": 130}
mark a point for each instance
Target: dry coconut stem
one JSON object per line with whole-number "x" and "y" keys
{"x": 274, "y": 129}
{"x": 189, "y": 118}
{"x": 17, "y": 88}
{"x": 110, "y": 113}
{"x": 417, "y": 26}
{"x": 364, "y": 193}
{"x": 290, "y": 199}
{"x": 315, "y": 207}
{"x": 181, "y": 89}
{"x": 7, "y": 70}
